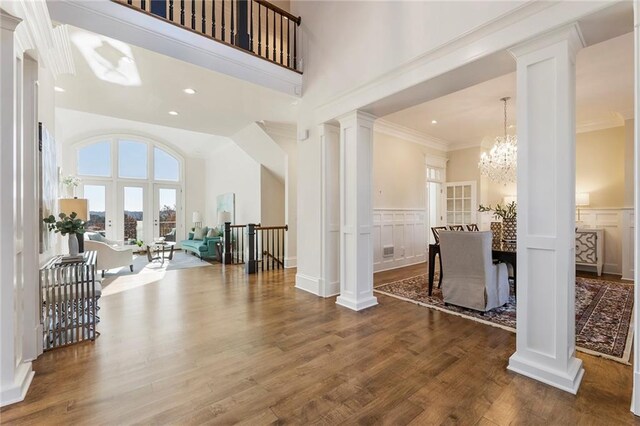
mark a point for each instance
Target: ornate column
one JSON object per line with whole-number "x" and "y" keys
{"x": 545, "y": 340}
{"x": 356, "y": 181}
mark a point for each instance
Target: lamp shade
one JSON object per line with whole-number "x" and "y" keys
{"x": 582, "y": 199}
{"x": 196, "y": 217}
{"x": 224, "y": 217}
{"x": 78, "y": 205}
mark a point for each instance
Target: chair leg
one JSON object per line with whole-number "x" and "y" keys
{"x": 440, "y": 272}
{"x": 131, "y": 268}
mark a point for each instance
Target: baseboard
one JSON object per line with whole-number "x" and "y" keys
{"x": 357, "y": 305}
{"x": 18, "y": 390}
{"x": 290, "y": 262}
{"x": 568, "y": 381}
{"x": 317, "y": 286}
{"x": 635, "y": 397}
{"x": 391, "y": 268}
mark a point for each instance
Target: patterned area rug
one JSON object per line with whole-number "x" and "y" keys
{"x": 603, "y": 312}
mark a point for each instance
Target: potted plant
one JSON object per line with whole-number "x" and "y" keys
{"x": 507, "y": 230}
{"x": 67, "y": 225}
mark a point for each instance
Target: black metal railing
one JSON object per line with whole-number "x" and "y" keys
{"x": 233, "y": 244}
{"x": 256, "y": 26}
{"x": 264, "y": 246}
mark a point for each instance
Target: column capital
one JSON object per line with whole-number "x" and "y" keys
{"x": 325, "y": 128}
{"x": 357, "y": 115}
{"x": 8, "y": 21}
{"x": 570, "y": 33}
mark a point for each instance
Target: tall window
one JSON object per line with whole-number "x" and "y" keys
{"x": 95, "y": 159}
{"x": 132, "y": 159}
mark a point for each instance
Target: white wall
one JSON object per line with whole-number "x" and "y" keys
{"x": 230, "y": 169}
{"x": 272, "y": 199}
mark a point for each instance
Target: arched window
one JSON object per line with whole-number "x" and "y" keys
{"x": 134, "y": 186}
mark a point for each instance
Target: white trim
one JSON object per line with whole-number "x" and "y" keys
{"x": 616, "y": 120}
{"x": 290, "y": 262}
{"x": 396, "y": 130}
{"x": 17, "y": 392}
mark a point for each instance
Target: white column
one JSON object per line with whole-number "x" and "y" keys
{"x": 635, "y": 400}
{"x": 330, "y": 218}
{"x": 356, "y": 182}
{"x": 15, "y": 373}
{"x": 545, "y": 339}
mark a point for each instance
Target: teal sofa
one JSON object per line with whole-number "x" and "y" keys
{"x": 205, "y": 248}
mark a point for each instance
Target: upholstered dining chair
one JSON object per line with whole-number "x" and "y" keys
{"x": 456, "y": 227}
{"x": 436, "y": 232}
{"x": 471, "y": 279}
{"x": 473, "y": 227}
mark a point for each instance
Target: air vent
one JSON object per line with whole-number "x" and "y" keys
{"x": 387, "y": 251}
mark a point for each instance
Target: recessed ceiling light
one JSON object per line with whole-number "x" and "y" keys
{"x": 173, "y": 113}
{"x": 434, "y": 121}
{"x": 58, "y": 89}
{"x": 189, "y": 91}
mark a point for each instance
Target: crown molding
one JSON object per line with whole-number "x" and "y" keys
{"x": 615, "y": 120}
{"x": 396, "y": 130}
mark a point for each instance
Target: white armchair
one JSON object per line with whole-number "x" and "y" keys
{"x": 110, "y": 257}
{"x": 470, "y": 279}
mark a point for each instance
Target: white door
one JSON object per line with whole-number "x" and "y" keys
{"x": 461, "y": 205}
{"x": 132, "y": 214}
{"x": 101, "y": 208}
{"x": 434, "y": 214}
{"x": 167, "y": 212}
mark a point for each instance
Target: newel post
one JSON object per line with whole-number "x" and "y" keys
{"x": 251, "y": 266}
{"x": 227, "y": 243}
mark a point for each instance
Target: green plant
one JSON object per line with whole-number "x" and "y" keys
{"x": 139, "y": 243}
{"x": 508, "y": 211}
{"x": 66, "y": 225}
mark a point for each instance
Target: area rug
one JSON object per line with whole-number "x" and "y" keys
{"x": 604, "y": 311}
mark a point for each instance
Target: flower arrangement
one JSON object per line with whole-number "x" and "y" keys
{"x": 71, "y": 181}
{"x": 66, "y": 225}
{"x": 508, "y": 211}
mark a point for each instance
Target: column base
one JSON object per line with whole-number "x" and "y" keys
{"x": 357, "y": 305}
{"x": 568, "y": 381}
{"x": 635, "y": 397}
{"x": 17, "y": 390}
{"x": 317, "y": 286}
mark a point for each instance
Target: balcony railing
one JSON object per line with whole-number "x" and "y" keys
{"x": 255, "y": 26}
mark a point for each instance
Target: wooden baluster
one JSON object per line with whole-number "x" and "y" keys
{"x": 266, "y": 31}
{"x": 171, "y": 10}
{"x": 251, "y": 24}
{"x": 281, "y": 49}
{"x": 223, "y": 22}
{"x": 181, "y": 12}
{"x": 274, "y": 37}
{"x": 278, "y": 233}
{"x": 204, "y": 18}
{"x": 243, "y": 229}
{"x": 193, "y": 14}
{"x": 289, "y": 43}
{"x": 262, "y": 249}
{"x": 295, "y": 49}
{"x": 259, "y": 30}
{"x": 213, "y": 18}
{"x": 143, "y": 5}
{"x": 233, "y": 35}
{"x": 273, "y": 240}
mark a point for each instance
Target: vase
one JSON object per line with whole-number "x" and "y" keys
{"x": 496, "y": 229}
{"x": 73, "y": 245}
{"x": 510, "y": 230}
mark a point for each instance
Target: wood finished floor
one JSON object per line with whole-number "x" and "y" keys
{"x": 209, "y": 345}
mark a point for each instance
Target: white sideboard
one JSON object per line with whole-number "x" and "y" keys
{"x": 590, "y": 248}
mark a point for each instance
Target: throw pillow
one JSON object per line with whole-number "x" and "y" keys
{"x": 211, "y": 233}
{"x": 198, "y": 234}
{"x": 191, "y": 235}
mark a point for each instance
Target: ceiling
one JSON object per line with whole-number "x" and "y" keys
{"x": 604, "y": 98}
{"x": 125, "y": 81}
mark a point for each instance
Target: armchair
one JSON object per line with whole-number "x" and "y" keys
{"x": 471, "y": 279}
{"x": 110, "y": 257}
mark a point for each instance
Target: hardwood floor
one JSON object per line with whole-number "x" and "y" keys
{"x": 210, "y": 345}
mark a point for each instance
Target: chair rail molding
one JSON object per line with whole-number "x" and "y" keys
{"x": 404, "y": 230}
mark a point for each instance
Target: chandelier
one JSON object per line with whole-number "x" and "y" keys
{"x": 499, "y": 164}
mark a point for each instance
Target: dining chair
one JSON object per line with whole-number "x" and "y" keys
{"x": 473, "y": 227}
{"x": 456, "y": 227}
{"x": 436, "y": 232}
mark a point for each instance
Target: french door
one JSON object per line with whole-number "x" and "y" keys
{"x": 461, "y": 204}
{"x": 101, "y": 208}
{"x": 132, "y": 212}
{"x": 167, "y": 211}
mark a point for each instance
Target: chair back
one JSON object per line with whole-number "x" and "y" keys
{"x": 436, "y": 232}
{"x": 466, "y": 255}
{"x": 456, "y": 227}
{"x": 473, "y": 227}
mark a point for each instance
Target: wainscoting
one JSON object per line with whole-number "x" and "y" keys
{"x": 628, "y": 252}
{"x": 618, "y": 236}
{"x": 402, "y": 232}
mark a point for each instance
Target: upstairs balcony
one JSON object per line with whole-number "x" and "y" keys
{"x": 255, "y": 26}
